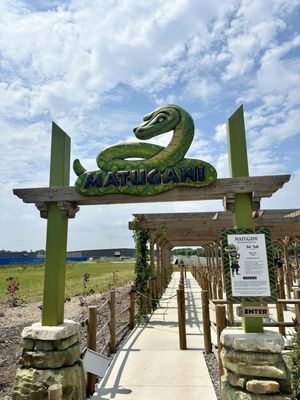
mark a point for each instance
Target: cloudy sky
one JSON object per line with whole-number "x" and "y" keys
{"x": 96, "y": 67}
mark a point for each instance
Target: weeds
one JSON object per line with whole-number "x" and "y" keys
{"x": 295, "y": 361}
{"x": 13, "y": 286}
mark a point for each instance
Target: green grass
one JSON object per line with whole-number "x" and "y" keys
{"x": 31, "y": 278}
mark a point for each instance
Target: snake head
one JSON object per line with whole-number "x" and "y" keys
{"x": 162, "y": 120}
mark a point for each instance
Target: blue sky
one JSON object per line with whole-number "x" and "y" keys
{"x": 96, "y": 67}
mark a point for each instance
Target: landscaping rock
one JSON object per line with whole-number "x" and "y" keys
{"x": 262, "y": 386}
{"x": 65, "y": 343}
{"x": 37, "y": 331}
{"x": 265, "y": 371}
{"x": 267, "y": 342}
{"x": 32, "y": 384}
{"x": 50, "y": 359}
{"x": 232, "y": 393}
{"x": 251, "y": 358}
{"x": 236, "y": 380}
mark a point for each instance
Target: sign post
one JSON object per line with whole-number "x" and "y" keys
{"x": 238, "y": 166}
{"x": 57, "y": 228}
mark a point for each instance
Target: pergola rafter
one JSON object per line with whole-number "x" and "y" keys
{"x": 193, "y": 229}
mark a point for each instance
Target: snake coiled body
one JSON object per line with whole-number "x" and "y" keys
{"x": 163, "y": 119}
{"x": 144, "y": 168}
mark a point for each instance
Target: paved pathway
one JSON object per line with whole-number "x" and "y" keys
{"x": 150, "y": 364}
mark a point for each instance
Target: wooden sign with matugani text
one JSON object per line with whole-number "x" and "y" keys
{"x": 147, "y": 169}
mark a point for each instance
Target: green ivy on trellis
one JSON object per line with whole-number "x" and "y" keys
{"x": 142, "y": 267}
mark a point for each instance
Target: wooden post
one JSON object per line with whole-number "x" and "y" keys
{"x": 158, "y": 277}
{"x": 112, "y": 322}
{"x": 280, "y": 317}
{"x": 57, "y": 229}
{"x": 297, "y": 306}
{"x": 221, "y": 324}
{"x": 181, "y": 319}
{"x": 152, "y": 253}
{"x": 132, "y": 307}
{"x": 91, "y": 344}
{"x": 144, "y": 299}
{"x": 206, "y": 322}
{"x": 287, "y": 272}
{"x": 281, "y": 290}
{"x": 55, "y": 392}
{"x": 230, "y": 314}
{"x": 295, "y": 246}
{"x": 238, "y": 166}
{"x": 155, "y": 291}
{"x": 149, "y": 299}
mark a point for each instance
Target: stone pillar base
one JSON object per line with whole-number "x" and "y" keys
{"x": 254, "y": 366}
{"x": 51, "y": 355}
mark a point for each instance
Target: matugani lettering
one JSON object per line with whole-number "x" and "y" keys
{"x": 241, "y": 238}
{"x": 143, "y": 177}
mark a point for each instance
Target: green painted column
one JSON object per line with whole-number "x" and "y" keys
{"x": 238, "y": 166}
{"x": 57, "y": 230}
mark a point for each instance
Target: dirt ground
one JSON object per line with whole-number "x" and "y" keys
{"x": 13, "y": 320}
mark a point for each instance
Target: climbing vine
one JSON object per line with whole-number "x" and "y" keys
{"x": 295, "y": 361}
{"x": 142, "y": 267}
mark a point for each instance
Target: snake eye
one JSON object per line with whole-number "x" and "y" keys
{"x": 161, "y": 118}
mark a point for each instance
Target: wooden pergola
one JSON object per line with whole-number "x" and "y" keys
{"x": 197, "y": 229}
{"x": 63, "y": 202}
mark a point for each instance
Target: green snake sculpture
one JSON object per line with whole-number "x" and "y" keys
{"x": 118, "y": 159}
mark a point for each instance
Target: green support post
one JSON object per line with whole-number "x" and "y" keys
{"x": 238, "y": 166}
{"x": 57, "y": 231}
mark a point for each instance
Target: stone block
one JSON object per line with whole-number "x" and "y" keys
{"x": 51, "y": 359}
{"x": 251, "y": 358}
{"x": 43, "y": 345}
{"x": 236, "y": 380}
{"x": 262, "y": 386}
{"x": 39, "y": 332}
{"x": 28, "y": 344}
{"x": 267, "y": 342}
{"x": 229, "y": 392}
{"x": 32, "y": 384}
{"x": 65, "y": 343}
{"x": 278, "y": 371}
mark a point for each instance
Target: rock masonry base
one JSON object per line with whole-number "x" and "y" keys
{"x": 51, "y": 355}
{"x": 254, "y": 367}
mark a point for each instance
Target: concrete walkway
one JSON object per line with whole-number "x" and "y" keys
{"x": 150, "y": 364}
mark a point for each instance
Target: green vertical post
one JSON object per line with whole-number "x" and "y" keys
{"x": 238, "y": 166}
{"x": 57, "y": 231}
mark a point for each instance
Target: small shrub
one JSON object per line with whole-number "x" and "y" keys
{"x": 295, "y": 362}
{"x": 114, "y": 280}
{"x": 13, "y": 286}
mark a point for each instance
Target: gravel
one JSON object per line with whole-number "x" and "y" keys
{"x": 213, "y": 369}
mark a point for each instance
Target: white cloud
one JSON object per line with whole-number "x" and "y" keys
{"x": 220, "y": 135}
{"x": 252, "y": 31}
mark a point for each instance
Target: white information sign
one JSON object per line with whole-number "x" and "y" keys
{"x": 95, "y": 363}
{"x": 248, "y": 265}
